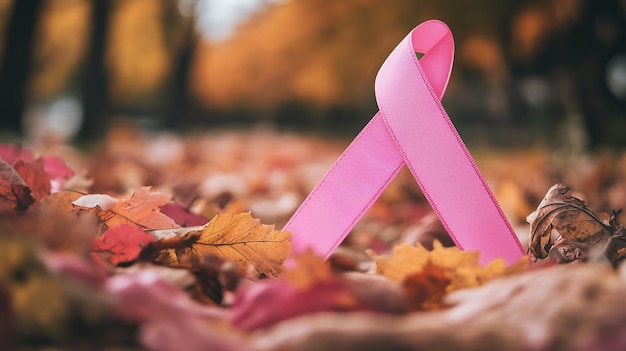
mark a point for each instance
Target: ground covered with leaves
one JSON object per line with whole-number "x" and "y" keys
{"x": 160, "y": 242}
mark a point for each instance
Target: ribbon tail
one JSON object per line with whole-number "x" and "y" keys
{"x": 347, "y": 191}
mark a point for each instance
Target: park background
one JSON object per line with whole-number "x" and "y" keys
{"x": 544, "y": 71}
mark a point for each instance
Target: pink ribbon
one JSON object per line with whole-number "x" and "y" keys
{"x": 411, "y": 128}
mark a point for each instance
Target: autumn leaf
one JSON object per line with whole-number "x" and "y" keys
{"x": 563, "y": 222}
{"x": 239, "y": 238}
{"x": 462, "y": 268}
{"x": 121, "y": 244}
{"x": 48, "y": 169}
{"x": 12, "y": 153}
{"x": 141, "y": 209}
{"x": 14, "y": 193}
{"x": 58, "y": 171}
{"x": 309, "y": 268}
{"x": 181, "y": 215}
{"x": 57, "y": 168}
{"x": 35, "y": 176}
{"x": 425, "y": 290}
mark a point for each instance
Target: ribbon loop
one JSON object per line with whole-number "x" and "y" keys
{"x": 434, "y": 40}
{"x": 411, "y": 128}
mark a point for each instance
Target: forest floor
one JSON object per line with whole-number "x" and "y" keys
{"x": 107, "y": 248}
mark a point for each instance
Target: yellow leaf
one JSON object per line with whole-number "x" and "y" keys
{"x": 462, "y": 268}
{"x": 239, "y": 238}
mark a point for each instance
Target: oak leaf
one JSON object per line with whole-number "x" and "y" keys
{"x": 563, "y": 222}
{"x": 141, "y": 209}
{"x": 14, "y": 192}
{"x": 239, "y": 238}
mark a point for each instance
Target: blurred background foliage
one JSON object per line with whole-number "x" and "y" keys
{"x": 525, "y": 70}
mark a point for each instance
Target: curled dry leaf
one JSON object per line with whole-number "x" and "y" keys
{"x": 563, "y": 227}
{"x": 239, "y": 238}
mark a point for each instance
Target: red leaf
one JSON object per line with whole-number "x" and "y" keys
{"x": 57, "y": 168}
{"x": 181, "y": 215}
{"x": 14, "y": 193}
{"x": 122, "y": 243}
{"x": 35, "y": 177}
{"x": 14, "y": 152}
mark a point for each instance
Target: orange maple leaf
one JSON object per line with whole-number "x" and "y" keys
{"x": 141, "y": 209}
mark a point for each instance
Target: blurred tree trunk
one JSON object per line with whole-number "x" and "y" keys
{"x": 177, "y": 105}
{"x": 95, "y": 98}
{"x": 177, "y": 102}
{"x": 16, "y": 63}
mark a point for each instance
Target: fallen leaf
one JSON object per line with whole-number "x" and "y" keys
{"x": 182, "y": 215}
{"x": 122, "y": 243}
{"x": 61, "y": 201}
{"x": 462, "y": 268}
{"x": 239, "y": 238}
{"x": 564, "y": 222}
{"x": 35, "y": 176}
{"x": 141, "y": 209}
{"x": 56, "y": 222}
{"x": 13, "y": 153}
{"x": 58, "y": 171}
{"x": 14, "y": 193}
{"x": 426, "y": 289}
{"x": 308, "y": 269}
{"x": 57, "y": 168}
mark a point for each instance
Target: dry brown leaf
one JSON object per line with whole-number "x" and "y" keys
{"x": 564, "y": 222}
{"x": 239, "y": 238}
